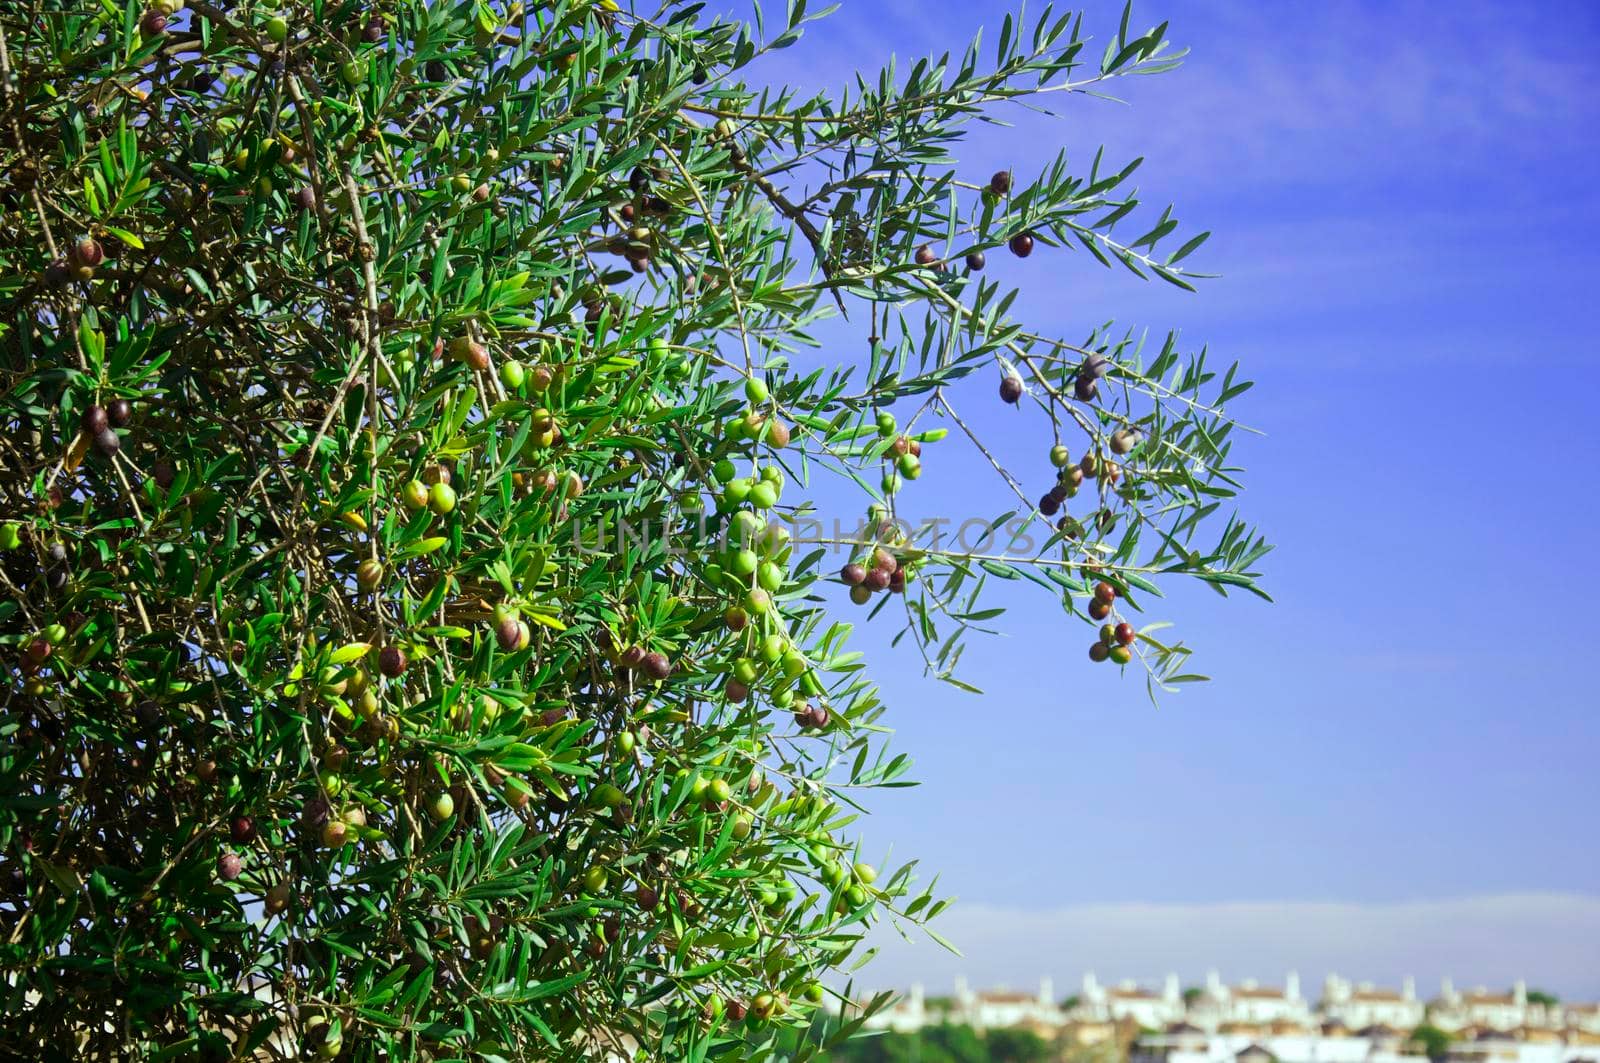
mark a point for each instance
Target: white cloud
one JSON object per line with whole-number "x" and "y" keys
{"x": 1551, "y": 939}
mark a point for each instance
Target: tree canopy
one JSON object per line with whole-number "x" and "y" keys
{"x": 407, "y": 414}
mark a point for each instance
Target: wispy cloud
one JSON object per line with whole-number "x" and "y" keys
{"x": 1551, "y": 939}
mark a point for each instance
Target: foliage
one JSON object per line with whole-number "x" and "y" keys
{"x": 1434, "y": 1042}
{"x": 1016, "y": 1046}
{"x": 401, "y": 412}
{"x": 1540, "y": 996}
{"x": 952, "y": 1043}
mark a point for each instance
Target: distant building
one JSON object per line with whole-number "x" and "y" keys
{"x": 1481, "y": 1009}
{"x": 1375, "y": 1045}
{"x": 1495, "y": 1046}
{"x": 1362, "y": 1005}
{"x": 1127, "y": 1001}
{"x": 1353, "y": 1023}
{"x": 1306, "y": 1047}
{"x": 999, "y": 1007}
{"x": 1250, "y": 1007}
{"x": 908, "y": 1014}
{"x": 1581, "y": 1017}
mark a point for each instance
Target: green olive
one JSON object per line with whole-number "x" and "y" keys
{"x": 794, "y": 664}
{"x": 764, "y": 495}
{"x": 441, "y": 498}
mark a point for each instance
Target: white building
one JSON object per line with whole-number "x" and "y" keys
{"x": 996, "y": 1008}
{"x": 1128, "y": 1001}
{"x": 1478, "y": 1008}
{"x": 1249, "y": 1004}
{"x": 1491, "y": 1046}
{"x": 1362, "y": 1005}
{"x": 1354, "y": 1023}
{"x": 1248, "y": 1047}
{"x": 1184, "y": 1047}
{"x": 907, "y": 1014}
{"x": 1582, "y": 1017}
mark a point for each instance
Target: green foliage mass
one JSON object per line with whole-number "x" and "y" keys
{"x": 400, "y": 418}
{"x": 1433, "y": 1042}
{"x": 947, "y": 1043}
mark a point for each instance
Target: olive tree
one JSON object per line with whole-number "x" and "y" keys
{"x": 411, "y": 648}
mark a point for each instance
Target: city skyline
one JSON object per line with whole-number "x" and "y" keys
{"x": 1334, "y": 987}
{"x": 1232, "y": 1016}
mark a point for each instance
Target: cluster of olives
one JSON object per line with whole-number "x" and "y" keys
{"x": 1020, "y": 244}
{"x": 755, "y": 564}
{"x": 1070, "y": 475}
{"x": 885, "y": 573}
{"x": 1086, "y": 381}
{"x": 84, "y": 256}
{"x": 37, "y": 653}
{"x": 470, "y": 353}
{"x": 1115, "y": 639}
{"x": 50, "y": 646}
{"x": 761, "y": 491}
{"x": 999, "y": 186}
{"x": 432, "y": 492}
{"x": 511, "y": 632}
{"x": 100, "y": 423}
{"x": 637, "y": 241}
{"x": 756, "y": 426}
{"x": 904, "y": 454}
{"x": 774, "y": 663}
{"x": 652, "y": 663}
{"x": 926, "y": 257}
{"x": 334, "y": 828}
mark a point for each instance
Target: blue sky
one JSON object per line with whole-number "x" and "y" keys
{"x": 1394, "y": 770}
